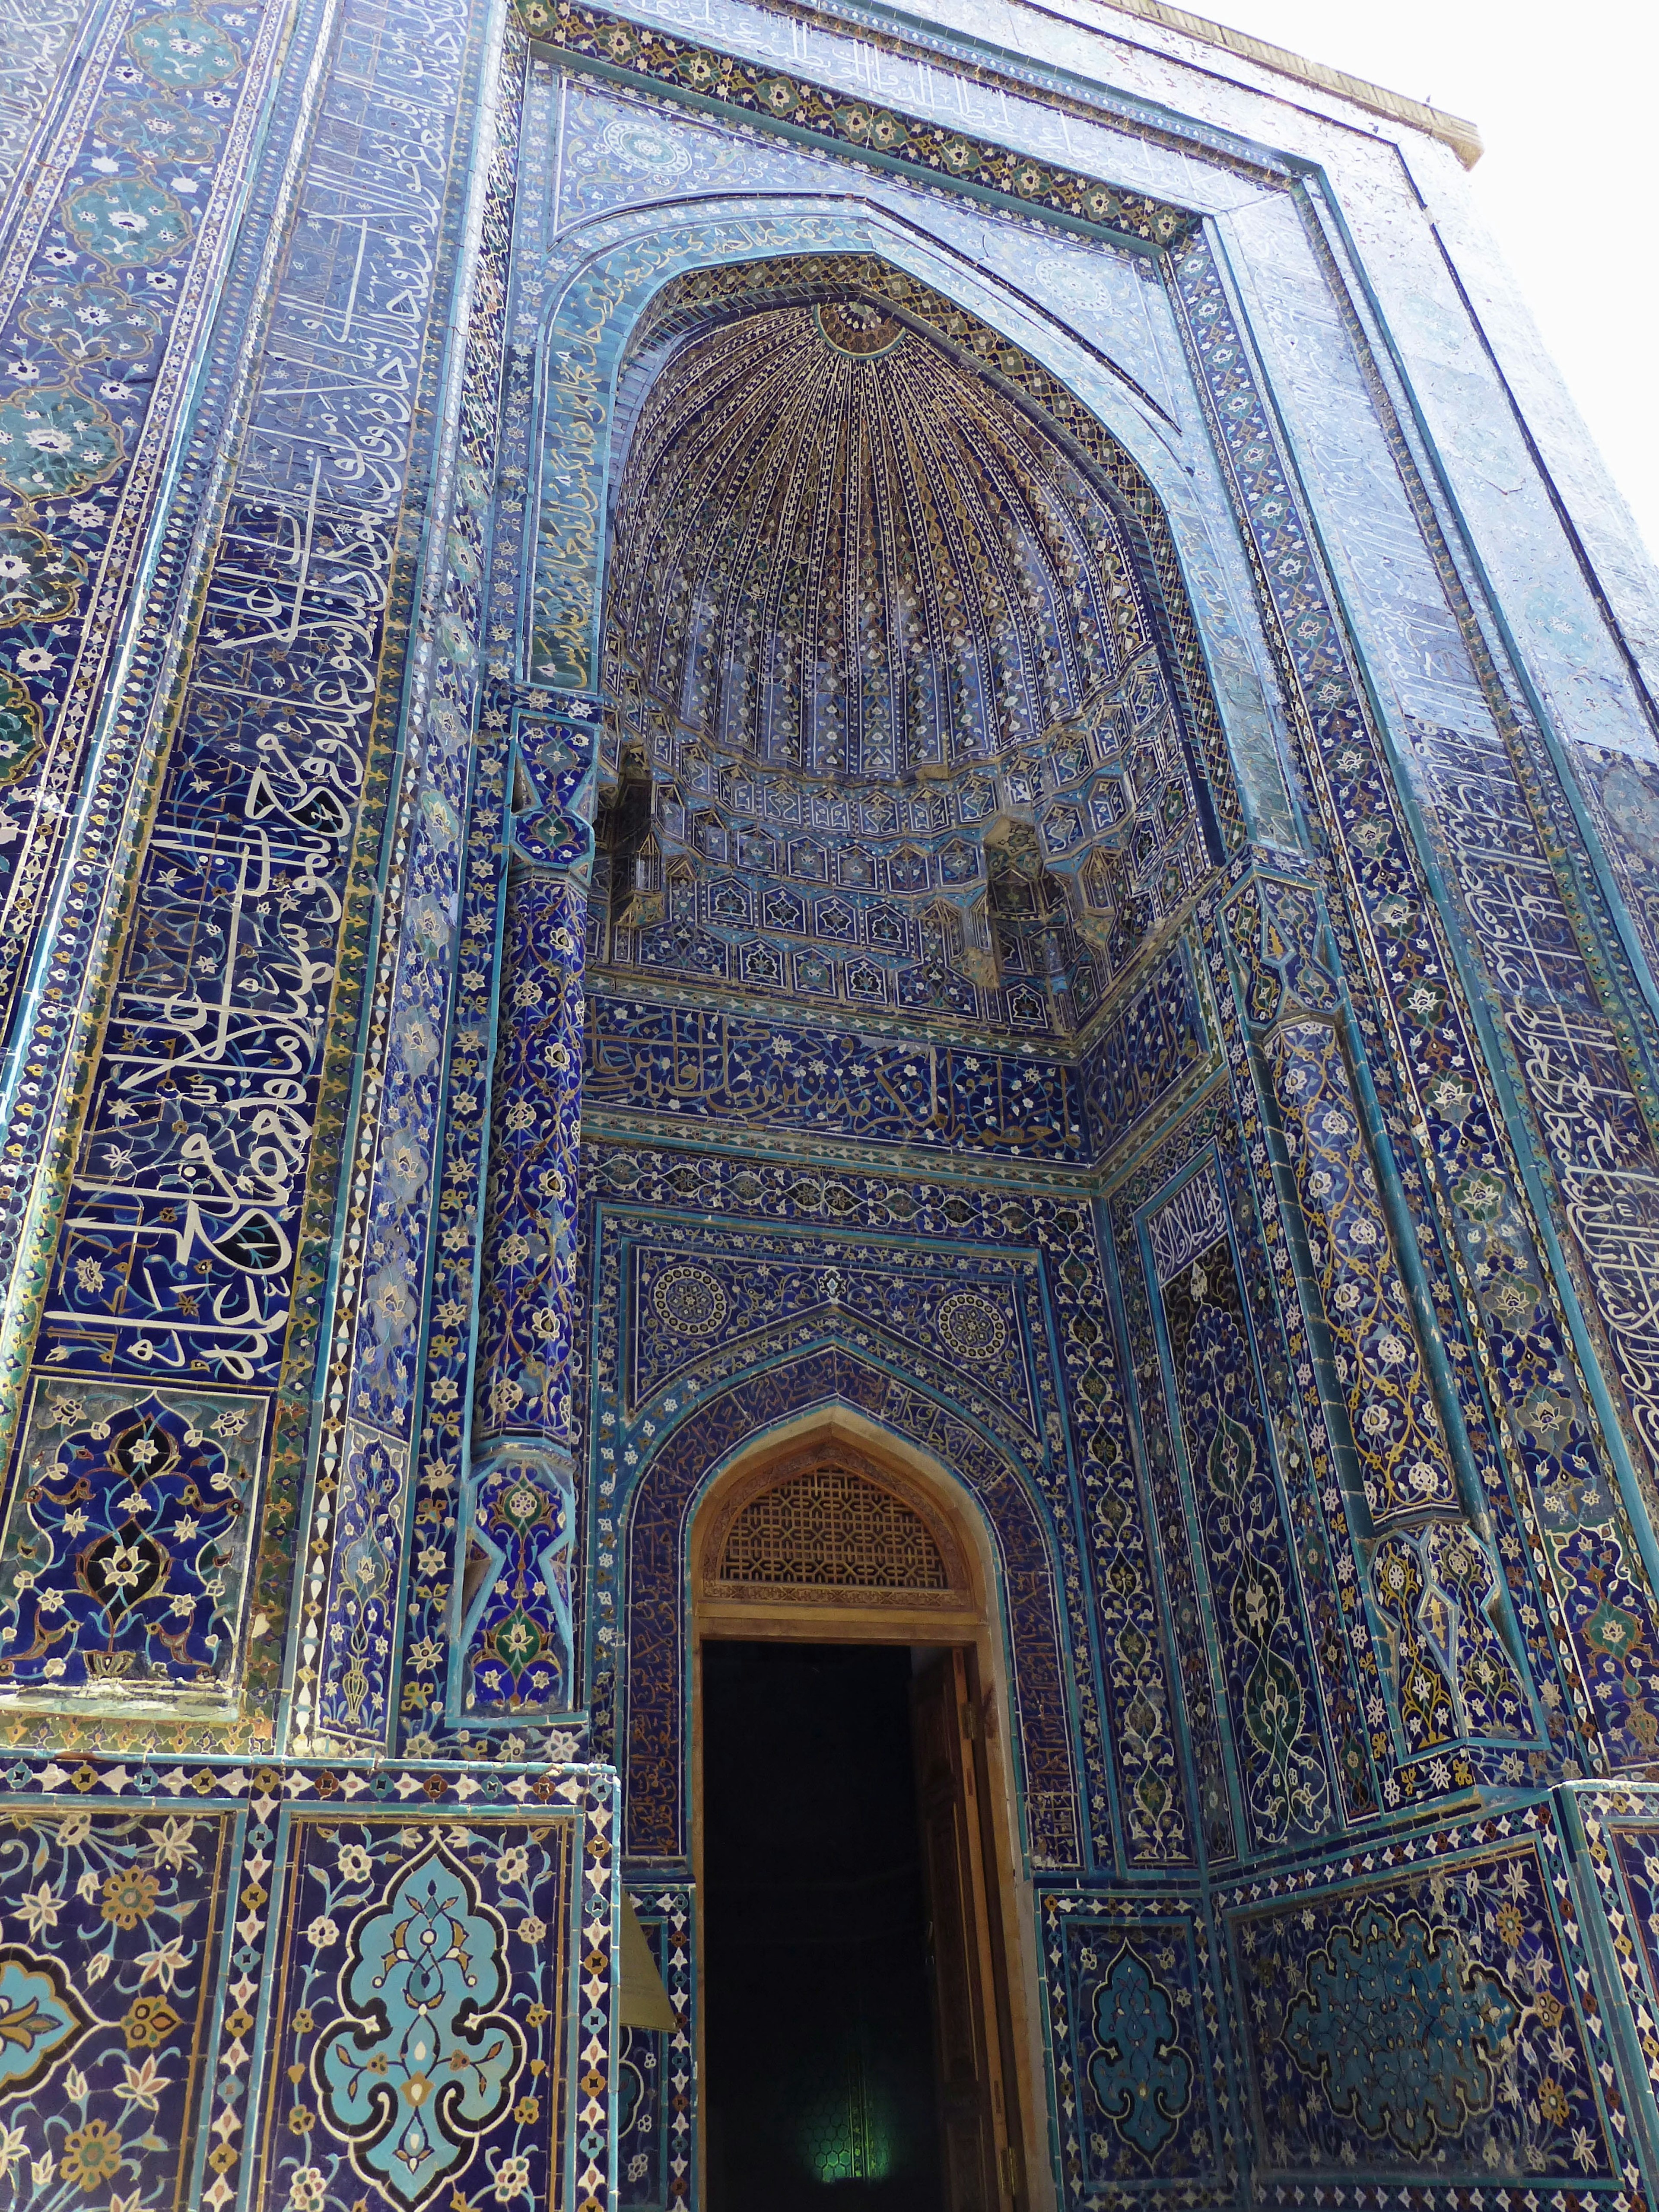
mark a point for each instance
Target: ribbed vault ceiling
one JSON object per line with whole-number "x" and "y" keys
{"x": 839, "y": 551}
{"x": 891, "y": 727}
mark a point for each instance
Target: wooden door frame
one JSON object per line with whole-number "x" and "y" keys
{"x": 968, "y": 1617}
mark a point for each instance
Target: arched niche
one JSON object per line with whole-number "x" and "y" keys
{"x": 1013, "y": 1588}
{"x": 870, "y": 569}
{"x": 605, "y": 294}
{"x": 831, "y": 1528}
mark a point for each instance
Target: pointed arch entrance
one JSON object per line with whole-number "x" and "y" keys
{"x": 825, "y": 1569}
{"x": 904, "y": 731}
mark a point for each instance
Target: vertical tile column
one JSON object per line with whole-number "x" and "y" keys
{"x": 1433, "y": 1585}
{"x": 514, "y": 1663}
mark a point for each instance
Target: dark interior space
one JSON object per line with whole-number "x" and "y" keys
{"x": 819, "y": 2085}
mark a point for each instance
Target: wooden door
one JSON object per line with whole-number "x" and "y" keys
{"x": 978, "y": 2125}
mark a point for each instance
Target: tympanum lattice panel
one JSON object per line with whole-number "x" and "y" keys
{"x": 833, "y": 1529}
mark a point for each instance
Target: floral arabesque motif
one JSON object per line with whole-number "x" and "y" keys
{"x": 527, "y": 1305}
{"x": 557, "y": 759}
{"x": 54, "y": 443}
{"x": 1133, "y": 2012}
{"x": 366, "y": 1537}
{"x": 1402, "y": 2028}
{"x": 767, "y": 1280}
{"x": 1140, "y": 2076}
{"x": 1191, "y": 1221}
{"x": 1436, "y": 1589}
{"x": 126, "y": 222}
{"x": 1398, "y": 1435}
{"x": 21, "y": 736}
{"x": 184, "y": 50}
{"x": 41, "y": 2018}
{"x": 104, "y": 1996}
{"x": 425, "y": 2059}
{"x": 1396, "y": 1425}
{"x": 1274, "y": 1713}
{"x": 417, "y": 2022}
{"x": 1430, "y": 2015}
{"x": 39, "y": 579}
{"x": 721, "y": 1065}
{"x": 1154, "y": 1041}
{"x": 163, "y": 130}
{"x": 121, "y": 1560}
{"x": 515, "y": 1640}
{"x": 90, "y": 322}
{"x": 1275, "y": 929}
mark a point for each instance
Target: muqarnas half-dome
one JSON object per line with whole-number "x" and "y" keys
{"x": 843, "y": 552}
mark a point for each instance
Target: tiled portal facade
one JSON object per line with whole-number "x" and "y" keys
{"x": 718, "y": 716}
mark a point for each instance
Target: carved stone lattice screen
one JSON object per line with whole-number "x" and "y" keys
{"x": 831, "y": 1530}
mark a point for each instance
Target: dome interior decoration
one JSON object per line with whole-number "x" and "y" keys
{"x": 888, "y": 655}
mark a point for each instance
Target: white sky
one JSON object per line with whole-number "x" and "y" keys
{"x": 1564, "y": 98}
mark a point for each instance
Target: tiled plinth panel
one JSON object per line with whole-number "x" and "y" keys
{"x": 1143, "y": 2100}
{"x": 313, "y": 1989}
{"x": 1461, "y": 2016}
{"x": 1435, "y": 2016}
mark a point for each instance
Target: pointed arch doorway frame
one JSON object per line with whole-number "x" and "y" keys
{"x": 987, "y": 2059}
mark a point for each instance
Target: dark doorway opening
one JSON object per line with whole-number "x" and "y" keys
{"x": 819, "y": 2088}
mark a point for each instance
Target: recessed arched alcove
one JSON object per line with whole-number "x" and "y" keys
{"x": 844, "y": 1631}
{"x": 905, "y": 723}
{"x": 902, "y": 719}
{"x": 1012, "y": 1578}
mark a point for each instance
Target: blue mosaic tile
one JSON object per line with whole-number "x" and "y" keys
{"x": 1439, "y": 2017}
{"x": 1133, "y": 2011}
{"x": 683, "y": 751}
